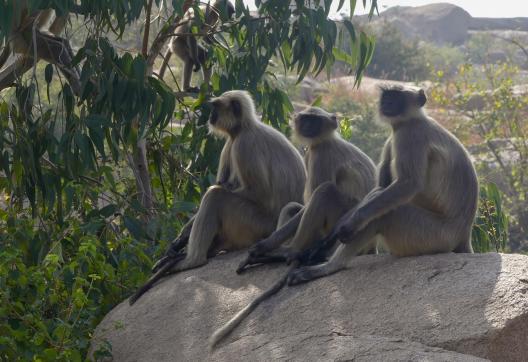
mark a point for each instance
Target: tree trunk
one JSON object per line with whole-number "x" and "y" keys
{"x": 139, "y": 159}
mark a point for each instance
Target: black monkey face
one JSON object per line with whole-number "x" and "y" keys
{"x": 393, "y": 102}
{"x": 213, "y": 117}
{"x": 226, "y": 113}
{"x": 314, "y": 122}
{"x": 398, "y": 101}
{"x": 309, "y": 126}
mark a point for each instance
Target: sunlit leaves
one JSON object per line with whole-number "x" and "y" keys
{"x": 490, "y": 232}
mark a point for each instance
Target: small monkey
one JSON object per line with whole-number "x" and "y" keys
{"x": 427, "y": 193}
{"x": 259, "y": 173}
{"x": 186, "y": 46}
{"x": 340, "y": 175}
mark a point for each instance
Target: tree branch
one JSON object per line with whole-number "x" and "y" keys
{"x": 57, "y": 51}
{"x": 146, "y": 33}
{"x": 14, "y": 71}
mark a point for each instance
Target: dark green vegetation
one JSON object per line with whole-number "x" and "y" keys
{"x": 100, "y": 169}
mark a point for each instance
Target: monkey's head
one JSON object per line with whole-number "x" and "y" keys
{"x": 399, "y": 103}
{"x": 313, "y": 125}
{"x": 231, "y": 112}
{"x": 224, "y": 8}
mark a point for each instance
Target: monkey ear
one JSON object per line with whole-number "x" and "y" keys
{"x": 422, "y": 98}
{"x": 236, "y": 108}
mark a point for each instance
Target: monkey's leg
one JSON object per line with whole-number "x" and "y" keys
{"x": 187, "y": 74}
{"x": 288, "y": 212}
{"x": 163, "y": 271}
{"x": 410, "y": 230}
{"x": 234, "y": 220}
{"x": 340, "y": 258}
{"x": 289, "y": 220}
{"x": 176, "y": 245}
{"x": 407, "y": 230}
{"x": 206, "y": 68}
{"x": 325, "y": 208}
{"x": 262, "y": 252}
{"x": 180, "y": 47}
{"x": 464, "y": 247}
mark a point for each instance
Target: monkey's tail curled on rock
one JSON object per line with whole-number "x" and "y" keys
{"x": 219, "y": 334}
{"x": 163, "y": 271}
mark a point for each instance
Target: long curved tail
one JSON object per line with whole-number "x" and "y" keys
{"x": 227, "y": 328}
{"x": 163, "y": 271}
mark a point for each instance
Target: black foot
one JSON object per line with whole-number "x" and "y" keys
{"x": 252, "y": 261}
{"x": 174, "y": 251}
{"x": 192, "y": 90}
{"x": 301, "y": 275}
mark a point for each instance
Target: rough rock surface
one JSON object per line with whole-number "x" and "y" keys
{"x": 448, "y": 307}
{"x": 439, "y": 23}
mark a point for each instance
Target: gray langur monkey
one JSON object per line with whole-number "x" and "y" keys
{"x": 259, "y": 173}
{"x": 427, "y": 196}
{"x": 340, "y": 175}
{"x": 186, "y": 46}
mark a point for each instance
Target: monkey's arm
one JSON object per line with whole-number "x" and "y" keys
{"x": 411, "y": 168}
{"x": 224, "y": 167}
{"x": 252, "y": 174}
{"x": 384, "y": 168}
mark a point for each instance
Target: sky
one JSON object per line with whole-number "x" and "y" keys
{"x": 477, "y": 8}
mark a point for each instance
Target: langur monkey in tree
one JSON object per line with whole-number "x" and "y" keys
{"x": 185, "y": 45}
{"x": 43, "y": 27}
{"x": 259, "y": 173}
{"x": 340, "y": 175}
{"x": 427, "y": 193}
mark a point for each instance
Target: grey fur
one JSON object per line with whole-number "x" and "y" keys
{"x": 426, "y": 199}
{"x": 259, "y": 173}
{"x": 339, "y": 176}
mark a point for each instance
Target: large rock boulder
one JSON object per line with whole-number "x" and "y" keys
{"x": 448, "y": 307}
{"x": 440, "y": 23}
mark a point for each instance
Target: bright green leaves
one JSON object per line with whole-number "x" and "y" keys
{"x": 361, "y": 49}
{"x": 49, "y": 306}
{"x": 128, "y": 105}
{"x": 490, "y": 232}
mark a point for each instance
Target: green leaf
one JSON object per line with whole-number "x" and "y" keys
{"x": 134, "y": 226}
{"x": 48, "y": 73}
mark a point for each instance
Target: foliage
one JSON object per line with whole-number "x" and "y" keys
{"x": 444, "y": 58}
{"x": 75, "y": 236}
{"x": 490, "y": 48}
{"x": 490, "y": 232}
{"x": 358, "y": 122}
{"x": 491, "y": 113}
{"x": 55, "y": 284}
{"x": 397, "y": 58}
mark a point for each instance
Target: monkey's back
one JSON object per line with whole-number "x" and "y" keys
{"x": 451, "y": 186}
{"x": 341, "y": 162}
{"x": 269, "y": 154}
